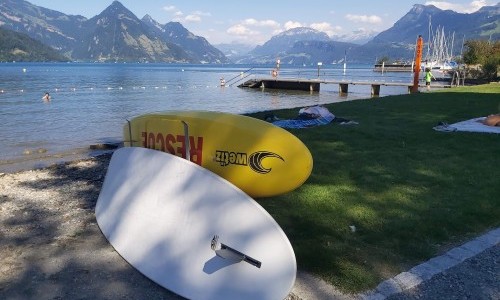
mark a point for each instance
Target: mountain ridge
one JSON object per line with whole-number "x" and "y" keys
{"x": 92, "y": 39}
{"x": 176, "y": 33}
{"x": 118, "y": 35}
{"x": 397, "y": 42}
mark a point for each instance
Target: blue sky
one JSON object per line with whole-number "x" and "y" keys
{"x": 254, "y": 22}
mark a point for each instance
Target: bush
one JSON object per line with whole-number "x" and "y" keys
{"x": 490, "y": 69}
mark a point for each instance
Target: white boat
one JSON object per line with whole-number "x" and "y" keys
{"x": 440, "y": 65}
{"x": 439, "y": 56}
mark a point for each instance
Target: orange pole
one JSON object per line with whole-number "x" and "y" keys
{"x": 418, "y": 61}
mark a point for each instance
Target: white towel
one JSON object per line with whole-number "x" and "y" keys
{"x": 472, "y": 125}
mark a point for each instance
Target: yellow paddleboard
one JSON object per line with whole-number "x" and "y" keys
{"x": 261, "y": 159}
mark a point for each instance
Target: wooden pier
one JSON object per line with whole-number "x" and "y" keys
{"x": 393, "y": 68}
{"x": 313, "y": 85}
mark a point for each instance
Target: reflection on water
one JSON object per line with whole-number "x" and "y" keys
{"x": 91, "y": 102}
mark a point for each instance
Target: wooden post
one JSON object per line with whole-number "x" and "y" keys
{"x": 375, "y": 89}
{"x": 343, "y": 88}
{"x": 418, "y": 60}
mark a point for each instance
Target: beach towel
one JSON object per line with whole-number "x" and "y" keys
{"x": 472, "y": 125}
{"x": 308, "y": 117}
{"x": 302, "y": 123}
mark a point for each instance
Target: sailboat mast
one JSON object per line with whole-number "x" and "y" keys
{"x": 429, "y": 40}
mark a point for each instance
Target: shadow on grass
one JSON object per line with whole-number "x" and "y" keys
{"x": 391, "y": 192}
{"x": 52, "y": 248}
{"x": 409, "y": 192}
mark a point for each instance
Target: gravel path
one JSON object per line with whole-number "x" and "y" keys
{"x": 477, "y": 278}
{"x": 52, "y": 248}
{"x": 469, "y": 271}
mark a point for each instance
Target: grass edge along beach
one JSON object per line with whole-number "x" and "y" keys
{"x": 391, "y": 192}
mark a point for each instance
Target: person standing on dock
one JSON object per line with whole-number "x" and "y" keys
{"x": 428, "y": 78}
{"x": 275, "y": 71}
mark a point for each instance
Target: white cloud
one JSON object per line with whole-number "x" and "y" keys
{"x": 291, "y": 24}
{"x": 202, "y": 13}
{"x": 326, "y": 28}
{"x": 169, "y": 8}
{"x": 462, "y": 8}
{"x": 253, "y": 30}
{"x": 259, "y": 31}
{"x": 250, "y": 22}
{"x": 262, "y": 23}
{"x": 241, "y": 30}
{"x": 192, "y": 18}
{"x": 364, "y": 19}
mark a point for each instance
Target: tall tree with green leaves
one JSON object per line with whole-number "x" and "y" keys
{"x": 484, "y": 53}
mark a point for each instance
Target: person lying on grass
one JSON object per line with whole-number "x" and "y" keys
{"x": 492, "y": 120}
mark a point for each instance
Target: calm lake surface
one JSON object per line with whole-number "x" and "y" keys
{"x": 90, "y": 103}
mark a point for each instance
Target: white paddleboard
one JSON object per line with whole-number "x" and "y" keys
{"x": 191, "y": 231}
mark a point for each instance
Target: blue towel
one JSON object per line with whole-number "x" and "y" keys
{"x": 298, "y": 123}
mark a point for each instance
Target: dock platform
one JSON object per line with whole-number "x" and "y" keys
{"x": 313, "y": 85}
{"x": 393, "y": 68}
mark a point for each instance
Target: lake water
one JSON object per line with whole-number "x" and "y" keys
{"x": 90, "y": 103}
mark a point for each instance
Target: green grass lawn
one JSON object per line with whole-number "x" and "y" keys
{"x": 411, "y": 192}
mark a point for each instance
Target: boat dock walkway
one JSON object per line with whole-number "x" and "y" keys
{"x": 313, "y": 85}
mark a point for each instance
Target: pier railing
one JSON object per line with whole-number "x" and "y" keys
{"x": 351, "y": 74}
{"x": 310, "y": 79}
{"x": 244, "y": 74}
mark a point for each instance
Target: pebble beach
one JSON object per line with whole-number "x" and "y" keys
{"x": 51, "y": 246}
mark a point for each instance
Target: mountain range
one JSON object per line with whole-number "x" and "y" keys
{"x": 399, "y": 40}
{"x": 309, "y": 46}
{"x": 298, "y": 46}
{"x": 116, "y": 34}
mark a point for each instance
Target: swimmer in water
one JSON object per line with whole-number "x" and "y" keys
{"x": 46, "y": 97}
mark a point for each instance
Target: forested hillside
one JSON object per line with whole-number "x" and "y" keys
{"x": 16, "y": 46}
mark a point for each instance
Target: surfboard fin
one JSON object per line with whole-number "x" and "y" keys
{"x": 227, "y": 252}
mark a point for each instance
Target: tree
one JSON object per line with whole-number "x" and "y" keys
{"x": 484, "y": 53}
{"x": 384, "y": 59}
